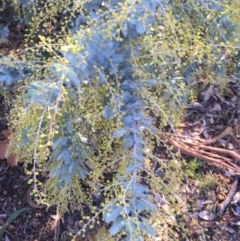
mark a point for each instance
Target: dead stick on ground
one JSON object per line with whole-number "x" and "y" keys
{"x": 222, "y": 151}
{"x": 223, "y": 206}
{"x": 194, "y": 153}
{"x": 56, "y": 228}
{"x": 206, "y": 155}
{"x": 226, "y": 132}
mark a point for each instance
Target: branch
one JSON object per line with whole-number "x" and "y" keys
{"x": 228, "y": 199}
{"x": 226, "y": 132}
{"x": 196, "y": 153}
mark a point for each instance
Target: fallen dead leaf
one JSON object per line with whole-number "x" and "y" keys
{"x": 192, "y": 224}
{"x": 201, "y": 203}
{"x": 236, "y": 223}
{"x": 11, "y": 160}
{"x": 217, "y": 93}
{"x": 207, "y": 224}
{"x": 236, "y": 198}
{"x": 208, "y": 93}
{"x": 228, "y": 229}
{"x": 205, "y": 134}
{"x": 163, "y": 203}
{"x": 207, "y": 215}
{"x": 233, "y": 79}
{"x": 216, "y": 107}
{"x": 236, "y": 210}
{"x": 230, "y": 92}
{"x": 221, "y": 196}
{"x": 10, "y": 226}
{"x": 6, "y": 238}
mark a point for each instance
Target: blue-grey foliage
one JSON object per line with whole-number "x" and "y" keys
{"x": 4, "y": 33}
{"x": 9, "y": 76}
{"x": 99, "y": 59}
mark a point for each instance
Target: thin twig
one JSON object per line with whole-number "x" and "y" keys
{"x": 57, "y": 227}
{"x": 223, "y": 206}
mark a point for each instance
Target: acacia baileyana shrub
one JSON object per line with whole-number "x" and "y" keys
{"x": 95, "y": 101}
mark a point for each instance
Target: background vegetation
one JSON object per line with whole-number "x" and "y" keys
{"x": 95, "y": 83}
